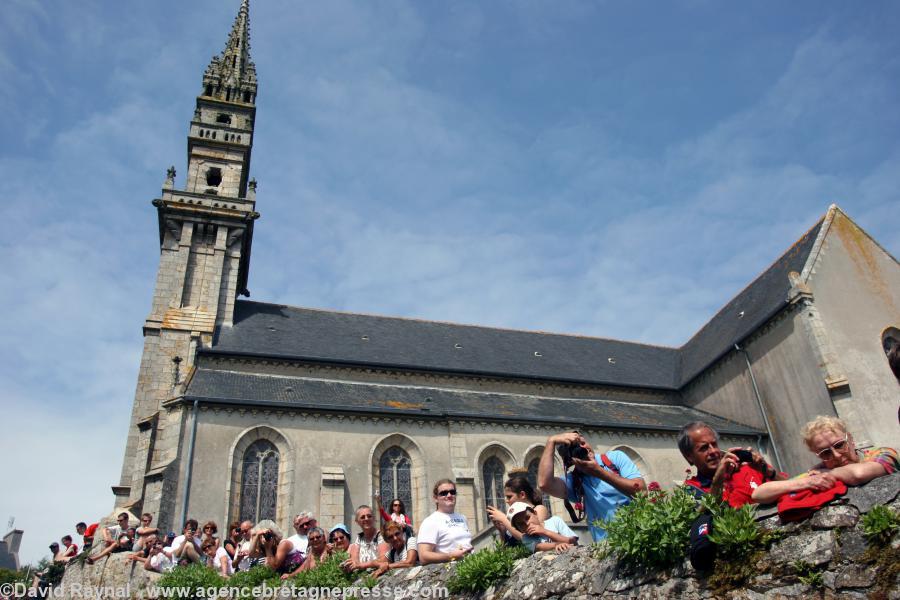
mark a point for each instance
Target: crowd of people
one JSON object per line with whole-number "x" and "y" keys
{"x": 593, "y": 487}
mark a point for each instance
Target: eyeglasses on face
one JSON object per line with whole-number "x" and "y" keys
{"x": 305, "y": 524}
{"x": 396, "y": 534}
{"x": 833, "y": 449}
{"x": 365, "y": 517}
{"x": 315, "y": 538}
{"x": 396, "y": 504}
{"x": 447, "y": 493}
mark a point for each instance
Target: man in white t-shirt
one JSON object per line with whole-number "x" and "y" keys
{"x": 444, "y": 535}
{"x": 241, "y": 560}
{"x": 158, "y": 558}
{"x": 303, "y": 522}
{"x": 187, "y": 545}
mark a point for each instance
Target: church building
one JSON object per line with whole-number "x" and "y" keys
{"x": 252, "y": 410}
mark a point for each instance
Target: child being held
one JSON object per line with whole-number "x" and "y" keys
{"x": 538, "y": 535}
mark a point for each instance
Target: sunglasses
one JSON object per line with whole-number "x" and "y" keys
{"x": 315, "y": 538}
{"x": 446, "y": 493}
{"x": 833, "y": 449}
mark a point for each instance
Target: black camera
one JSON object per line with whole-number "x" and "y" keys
{"x": 569, "y": 451}
{"x": 744, "y": 456}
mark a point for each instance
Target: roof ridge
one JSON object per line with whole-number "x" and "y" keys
{"x": 457, "y": 324}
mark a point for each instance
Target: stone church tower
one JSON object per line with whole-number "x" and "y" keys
{"x": 205, "y": 234}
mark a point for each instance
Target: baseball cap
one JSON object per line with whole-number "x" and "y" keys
{"x": 517, "y": 508}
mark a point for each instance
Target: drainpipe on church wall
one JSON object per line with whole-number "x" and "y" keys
{"x": 190, "y": 463}
{"x": 762, "y": 409}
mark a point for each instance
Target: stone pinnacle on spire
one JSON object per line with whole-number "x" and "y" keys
{"x": 231, "y": 76}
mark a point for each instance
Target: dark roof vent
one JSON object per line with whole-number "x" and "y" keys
{"x": 365, "y": 338}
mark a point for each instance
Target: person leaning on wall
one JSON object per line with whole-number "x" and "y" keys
{"x": 828, "y": 439}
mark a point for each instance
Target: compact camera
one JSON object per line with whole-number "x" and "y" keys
{"x": 744, "y": 456}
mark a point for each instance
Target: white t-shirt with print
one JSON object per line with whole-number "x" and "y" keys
{"x": 448, "y": 532}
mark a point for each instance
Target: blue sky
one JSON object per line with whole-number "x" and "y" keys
{"x": 604, "y": 168}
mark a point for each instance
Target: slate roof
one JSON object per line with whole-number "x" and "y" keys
{"x": 302, "y": 333}
{"x": 271, "y": 330}
{"x": 748, "y": 311}
{"x": 249, "y": 389}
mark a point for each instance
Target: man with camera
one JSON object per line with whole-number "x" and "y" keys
{"x": 732, "y": 476}
{"x": 601, "y": 484}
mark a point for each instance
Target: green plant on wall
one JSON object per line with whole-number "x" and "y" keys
{"x": 479, "y": 571}
{"x": 194, "y": 578}
{"x": 880, "y": 524}
{"x": 808, "y": 574}
{"x": 735, "y": 530}
{"x": 652, "y": 530}
{"x": 328, "y": 574}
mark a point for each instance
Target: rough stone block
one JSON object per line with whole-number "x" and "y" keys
{"x": 835, "y": 516}
{"x": 855, "y": 576}
{"x": 814, "y": 548}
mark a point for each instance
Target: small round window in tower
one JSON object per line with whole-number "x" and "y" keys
{"x": 213, "y": 176}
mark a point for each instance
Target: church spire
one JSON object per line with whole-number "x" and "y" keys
{"x": 231, "y": 75}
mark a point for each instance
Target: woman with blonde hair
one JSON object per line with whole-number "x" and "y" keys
{"x": 828, "y": 438}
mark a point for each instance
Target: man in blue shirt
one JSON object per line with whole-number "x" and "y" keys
{"x": 601, "y": 485}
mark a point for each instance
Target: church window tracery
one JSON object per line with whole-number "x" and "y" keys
{"x": 395, "y": 477}
{"x": 493, "y": 473}
{"x": 259, "y": 482}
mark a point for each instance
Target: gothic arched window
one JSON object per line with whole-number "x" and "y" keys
{"x": 493, "y": 473}
{"x": 259, "y": 482}
{"x": 394, "y": 469}
{"x": 532, "y": 479}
